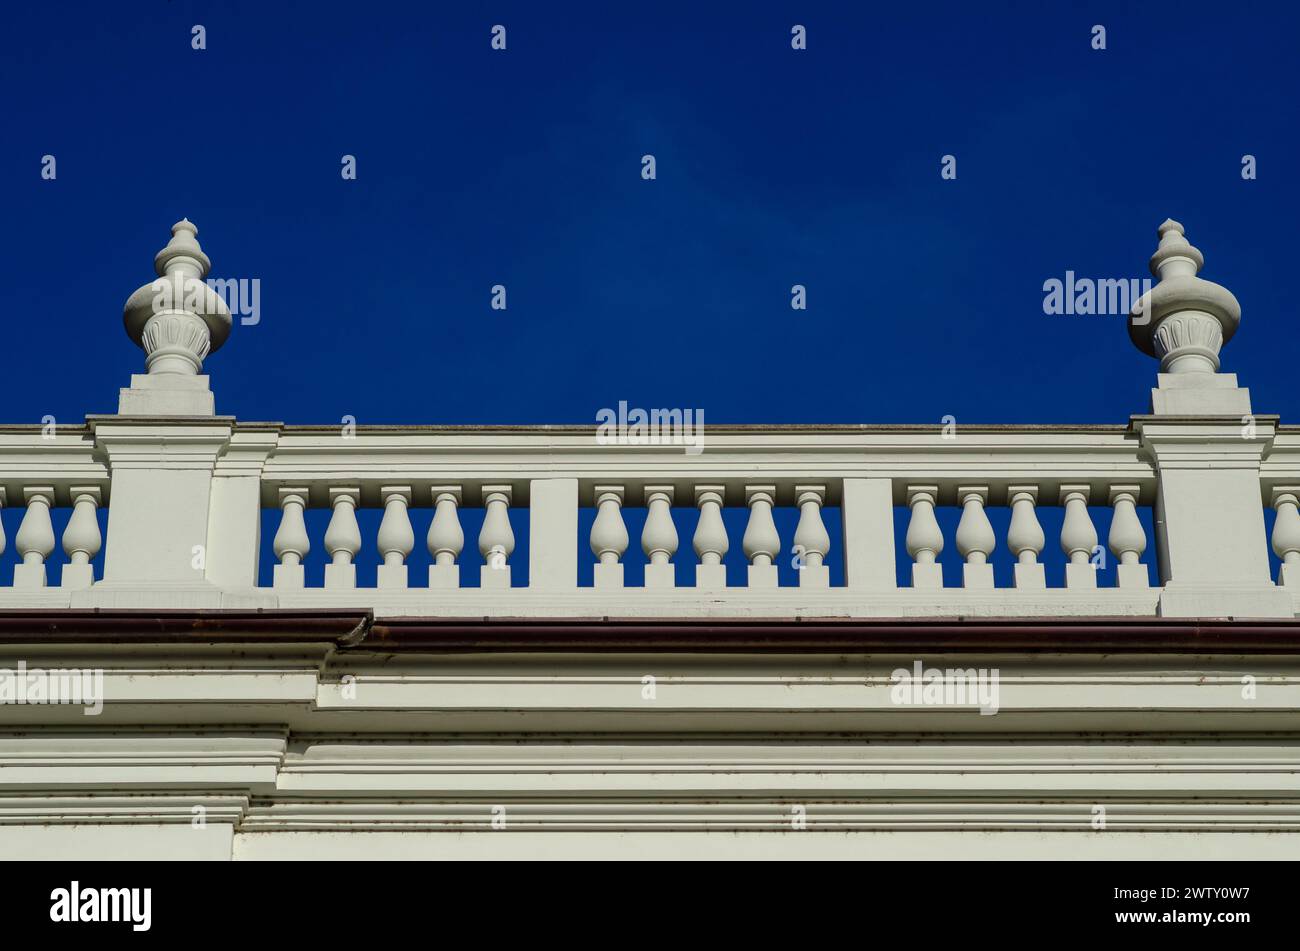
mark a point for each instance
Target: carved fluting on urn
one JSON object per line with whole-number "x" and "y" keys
{"x": 1188, "y": 337}
{"x": 178, "y": 319}
{"x": 174, "y": 343}
{"x": 1183, "y": 321}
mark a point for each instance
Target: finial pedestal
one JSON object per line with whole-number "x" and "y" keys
{"x": 1184, "y": 322}
{"x": 177, "y": 320}
{"x": 1206, "y": 447}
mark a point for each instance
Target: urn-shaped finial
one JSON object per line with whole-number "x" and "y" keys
{"x": 178, "y": 319}
{"x": 1183, "y": 320}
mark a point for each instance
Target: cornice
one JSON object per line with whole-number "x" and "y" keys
{"x": 110, "y": 809}
{"x": 359, "y": 631}
{"x": 817, "y": 815}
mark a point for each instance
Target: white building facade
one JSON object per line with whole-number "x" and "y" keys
{"x": 211, "y": 707}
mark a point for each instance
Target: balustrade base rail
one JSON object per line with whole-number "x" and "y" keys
{"x": 591, "y": 603}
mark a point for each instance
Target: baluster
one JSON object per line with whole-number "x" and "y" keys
{"x": 811, "y": 542}
{"x": 1286, "y": 535}
{"x": 343, "y": 538}
{"x": 35, "y": 538}
{"x": 924, "y": 538}
{"x": 659, "y": 537}
{"x": 762, "y": 543}
{"x": 497, "y": 540}
{"x": 1025, "y": 536}
{"x": 1078, "y": 537}
{"x": 975, "y": 538}
{"x": 1127, "y": 539}
{"x": 608, "y": 537}
{"x": 82, "y": 538}
{"x": 446, "y": 539}
{"x": 396, "y": 539}
{"x": 291, "y": 543}
{"x": 710, "y": 540}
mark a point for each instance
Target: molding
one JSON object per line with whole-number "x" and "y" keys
{"x": 360, "y": 631}
{"x": 115, "y": 761}
{"x": 101, "y": 809}
{"x": 776, "y": 816}
{"x": 1042, "y": 635}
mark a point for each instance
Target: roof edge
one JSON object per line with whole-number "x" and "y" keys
{"x": 360, "y": 631}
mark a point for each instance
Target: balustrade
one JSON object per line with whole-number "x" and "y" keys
{"x": 437, "y": 506}
{"x": 36, "y": 540}
{"x": 976, "y": 539}
{"x": 188, "y": 489}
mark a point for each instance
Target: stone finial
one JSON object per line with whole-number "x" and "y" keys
{"x": 178, "y": 319}
{"x": 1184, "y": 320}
{"x": 1174, "y": 252}
{"x": 183, "y": 243}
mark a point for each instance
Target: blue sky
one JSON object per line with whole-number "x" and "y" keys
{"x": 522, "y": 167}
{"x": 775, "y": 167}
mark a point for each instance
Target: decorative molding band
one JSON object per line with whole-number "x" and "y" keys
{"x": 772, "y": 816}
{"x": 96, "y": 809}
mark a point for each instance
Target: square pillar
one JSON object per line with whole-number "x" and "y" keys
{"x": 867, "y": 518}
{"x": 1209, "y": 520}
{"x": 235, "y": 514}
{"x": 161, "y": 496}
{"x": 553, "y": 534}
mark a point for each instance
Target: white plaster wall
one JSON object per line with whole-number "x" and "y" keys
{"x": 169, "y": 842}
{"x": 906, "y": 846}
